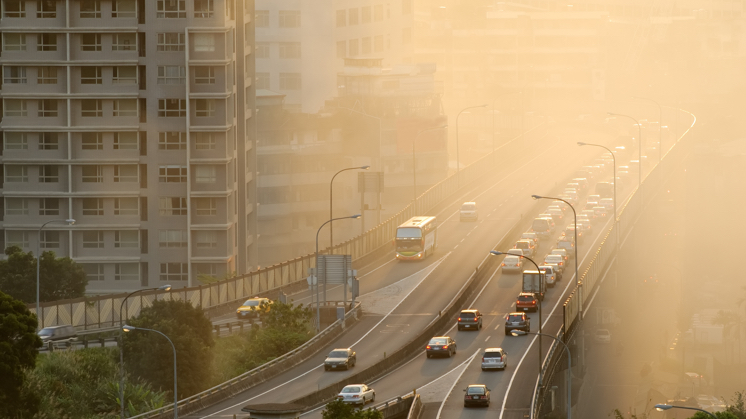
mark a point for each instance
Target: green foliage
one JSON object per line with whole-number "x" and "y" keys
{"x": 617, "y": 414}
{"x": 719, "y": 415}
{"x": 337, "y": 409}
{"x": 738, "y": 408}
{"x": 85, "y": 384}
{"x": 18, "y": 343}
{"x": 209, "y": 279}
{"x": 59, "y": 278}
{"x": 150, "y": 356}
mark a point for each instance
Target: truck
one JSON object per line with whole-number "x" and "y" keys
{"x": 534, "y": 281}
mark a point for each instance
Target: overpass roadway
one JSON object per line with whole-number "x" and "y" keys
{"x": 413, "y": 293}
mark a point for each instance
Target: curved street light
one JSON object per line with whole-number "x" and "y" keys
{"x": 660, "y": 125}
{"x": 458, "y": 162}
{"x": 639, "y": 147}
{"x": 69, "y": 221}
{"x": 331, "y": 203}
{"x": 318, "y": 309}
{"x": 127, "y": 328}
{"x": 663, "y": 406}
{"x": 414, "y": 165}
{"x": 580, "y": 143}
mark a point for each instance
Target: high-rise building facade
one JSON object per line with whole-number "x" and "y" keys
{"x": 133, "y": 117}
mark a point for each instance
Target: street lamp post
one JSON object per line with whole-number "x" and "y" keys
{"x": 414, "y": 166}
{"x": 569, "y": 365}
{"x": 318, "y": 309}
{"x": 458, "y": 162}
{"x": 69, "y": 222}
{"x": 663, "y": 406}
{"x": 575, "y": 232}
{"x": 121, "y": 336}
{"x": 331, "y": 203}
{"x": 615, "y": 179}
{"x": 660, "y": 126}
{"x": 639, "y": 146}
{"x": 127, "y": 328}
{"x": 498, "y": 253}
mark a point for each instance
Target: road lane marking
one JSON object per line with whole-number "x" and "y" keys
{"x": 445, "y": 399}
{"x": 497, "y": 326}
{"x": 488, "y": 338}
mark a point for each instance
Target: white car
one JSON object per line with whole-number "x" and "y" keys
{"x": 555, "y": 260}
{"x": 357, "y": 394}
{"x": 469, "y": 211}
{"x": 607, "y": 203}
{"x": 602, "y": 336}
{"x": 562, "y": 252}
{"x": 512, "y": 264}
{"x": 549, "y": 274}
{"x": 532, "y": 236}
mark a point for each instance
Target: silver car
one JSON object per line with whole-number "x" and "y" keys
{"x": 358, "y": 394}
{"x": 494, "y": 358}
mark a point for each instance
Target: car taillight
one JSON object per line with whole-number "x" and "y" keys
{"x": 459, "y": 319}
{"x": 484, "y": 397}
{"x": 533, "y": 302}
{"x": 503, "y": 264}
{"x": 445, "y": 347}
{"x": 482, "y": 359}
{"x": 355, "y": 396}
{"x": 427, "y": 347}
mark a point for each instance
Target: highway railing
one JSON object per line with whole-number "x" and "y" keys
{"x": 103, "y": 311}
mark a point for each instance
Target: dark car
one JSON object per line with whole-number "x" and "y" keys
{"x": 527, "y": 301}
{"x": 477, "y": 395}
{"x": 441, "y": 345}
{"x": 469, "y": 320}
{"x": 64, "y": 333}
{"x": 340, "y": 359}
{"x": 517, "y": 321}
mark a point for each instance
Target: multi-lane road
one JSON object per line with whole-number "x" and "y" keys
{"x": 400, "y": 299}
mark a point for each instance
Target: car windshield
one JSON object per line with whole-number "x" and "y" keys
{"x": 252, "y": 303}
{"x": 512, "y": 259}
{"x": 468, "y": 207}
{"x": 522, "y": 245}
{"x": 515, "y": 318}
{"x": 468, "y": 315}
{"x": 492, "y": 355}
{"x": 338, "y": 354}
{"x": 351, "y": 389}
{"x": 540, "y": 225}
{"x": 46, "y": 332}
{"x": 475, "y": 390}
{"x": 554, "y": 258}
{"x": 525, "y": 298}
{"x": 439, "y": 341}
{"x": 408, "y": 233}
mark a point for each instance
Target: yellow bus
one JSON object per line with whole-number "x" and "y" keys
{"x": 416, "y": 239}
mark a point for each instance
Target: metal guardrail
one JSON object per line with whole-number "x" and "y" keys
{"x": 103, "y": 311}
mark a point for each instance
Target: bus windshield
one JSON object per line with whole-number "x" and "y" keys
{"x": 408, "y": 233}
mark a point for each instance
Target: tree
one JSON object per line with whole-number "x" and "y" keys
{"x": 719, "y": 415}
{"x": 337, "y": 409}
{"x": 59, "y": 278}
{"x": 18, "y": 344}
{"x": 738, "y": 408}
{"x": 150, "y": 356}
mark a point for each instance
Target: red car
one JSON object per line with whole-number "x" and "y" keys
{"x": 527, "y": 301}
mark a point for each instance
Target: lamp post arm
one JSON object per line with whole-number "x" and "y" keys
{"x": 176, "y": 397}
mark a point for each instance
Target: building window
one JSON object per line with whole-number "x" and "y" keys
{"x": 378, "y": 43}
{"x": 127, "y": 272}
{"x": 14, "y": 75}
{"x": 124, "y": 42}
{"x": 14, "y": 42}
{"x": 174, "y": 272}
{"x": 90, "y": 42}
{"x": 92, "y": 174}
{"x": 352, "y": 17}
{"x": 49, "y": 206}
{"x": 204, "y": 75}
{"x": 16, "y": 238}
{"x": 123, "y": 8}
{"x": 204, "y": 8}
{"x": 90, "y": 9}
{"x": 290, "y": 81}
{"x": 262, "y": 50}
{"x": 172, "y": 174}
{"x": 92, "y": 141}
{"x": 204, "y": 42}
{"x": 172, "y": 41}
{"x": 46, "y": 42}
{"x": 47, "y": 108}
{"x": 124, "y": 75}
{"x": 125, "y": 107}
{"x": 366, "y": 14}
{"x": 46, "y": 9}
{"x": 205, "y": 174}
{"x": 172, "y": 205}
{"x": 17, "y": 206}
{"x": 93, "y": 206}
{"x": 171, "y": 9}
{"x": 172, "y": 238}
{"x": 49, "y": 141}
{"x": 125, "y": 141}
{"x": 261, "y": 18}
{"x": 171, "y": 107}
{"x": 127, "y": 238}
{"x": 16, "y": 141}
{"x": 206, "y": 238}
{"x": 366, "y": 45}
{"x": 15, "y": 107}
{"x": 206, "y": 206}
{"x": 50, "y": 239}
{"x": 341, "y": 18}
{"x": 91, "y": 107}
{"x": 90, "y": 75}
{"x": 94, "y": 271}
{"x": 16, "y": 173}
{"x": 341, "y": 49}
{"x": 290, "y": 18}
{"x": 289, "y": 49}
{"x": 378, "y": 12}
{"x": 14, "y": 8}
{"x": 172, "y": 140}
{"x": 125, "y": 173}
{"x": 262, "y": 80}
{"x": 46, "y": 75}
{"x": 126, "y": 206}
{"x": 93, "y": 239}
{"x": 49, "y": 174}
{"x": 204, "y": 107}
{"x": 171, "y": 74}
{"x": 204, "y": 140}
{"x": 353, "y": 47}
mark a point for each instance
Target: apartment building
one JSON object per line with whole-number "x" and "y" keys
{"x": 134, "y": 118}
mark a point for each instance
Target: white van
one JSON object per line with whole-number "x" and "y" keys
{"x": 469, "y": 211}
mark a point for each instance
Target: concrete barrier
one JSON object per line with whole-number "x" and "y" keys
{"x": 415, "y": 411}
